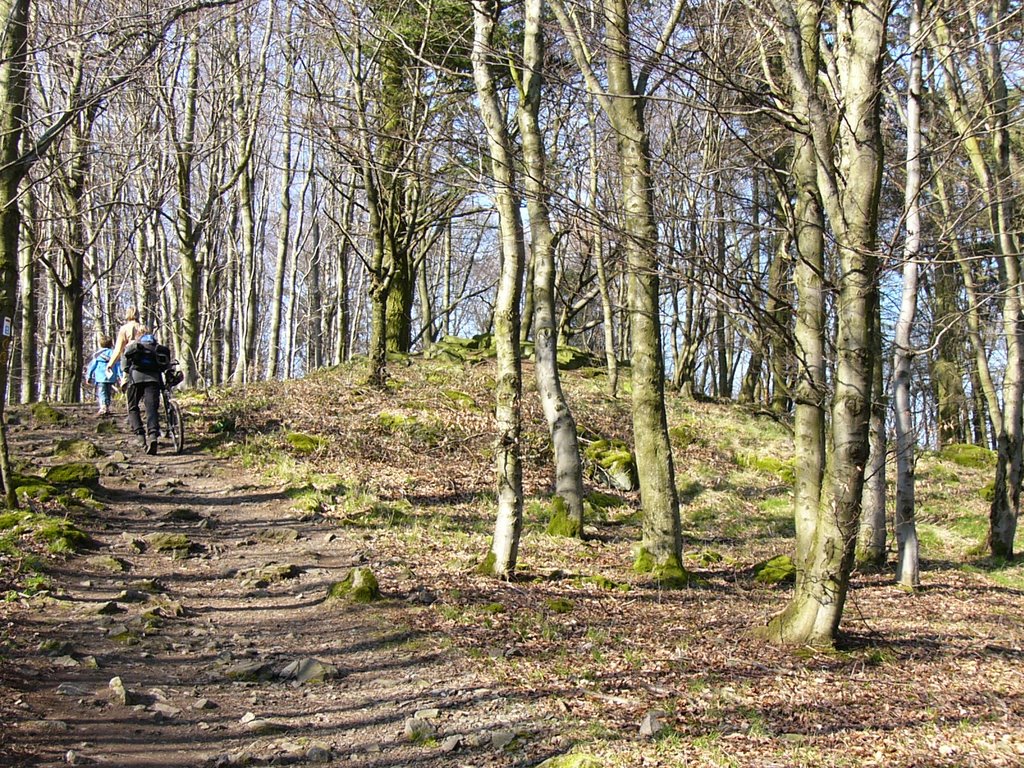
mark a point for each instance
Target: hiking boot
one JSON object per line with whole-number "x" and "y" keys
{"x": 151, "y": 447}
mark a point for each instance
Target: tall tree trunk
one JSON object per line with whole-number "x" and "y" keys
{"x": 29, "y": 306}
{"x": 561, "y": 425}
{"x": 508, "y": 386}
{"x": 600, "y": 261}
{"x": 907, "y": 563}
{"x": 992, "y": 170}
{"x": 872, "y": 534}
{"x": 849, "y": 180}
{"x": 14, "y": 84}
{"x": 623, "y": 103}
{"x": 283, "y": 225}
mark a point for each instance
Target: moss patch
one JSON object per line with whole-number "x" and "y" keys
{"x": 970, "y": 456}
{"x": 611, "y": 462}
{"x": 778, "y": 570}
{"x": 560, "y": 522}
{"x": 73, "y": 473}
{"x": 45, "y": 414}
{"x": 572, "y": 761}
{"x": 359, "y": 586}
{"x": 304, "y": 444}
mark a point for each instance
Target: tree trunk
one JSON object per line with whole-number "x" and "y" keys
{"x": 561, "y": 425}
{"x": 14, "y": 84}
{"x": 871, "y": 538}
{"x": 907, "y": 563}
{"x": 283, "y": 228}
{"x": 508, "y": 386}
{"x": 29, "y": 307}
{"x": 849, "y": 180}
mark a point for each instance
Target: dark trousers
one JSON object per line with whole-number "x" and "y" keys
{"x": 148, "y": 395}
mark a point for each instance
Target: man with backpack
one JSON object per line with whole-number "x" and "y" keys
{"x": 146, "y": 361}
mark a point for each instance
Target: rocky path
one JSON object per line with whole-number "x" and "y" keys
{"x": 197, "y": 633}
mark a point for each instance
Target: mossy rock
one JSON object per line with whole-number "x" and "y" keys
{"x": 302, "y": 443}
{"x": 61, "y": 537}
{"x": 572, "y": 761}
{"x": 612, "y": 462}
{"x": 73, "y": 473}
{"x": 778, "y": 570}
{"x": 110, "y": 563}
{"x": 685, "y": 435}
{"x": 602, "y": 502}
{"x": 106, "y": 428}
{"x": 574, "y": 358}
{"x": 461, "y": 400}
{"x": 44, "y": 414}
{"x": 559, "y": 605}
{"x": 604, "y": 583}
{"x": 41, "y": 492}
{"x": 76, "y": 448}
{"x": 175, "y": 544}
{"x": 560, "y": 522}
{"x": 458, "y": 349}
{"x": 969, "y": 456}
{"x": 359, "y": 586}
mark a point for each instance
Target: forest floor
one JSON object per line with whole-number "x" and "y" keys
{"x": 220, "y": 648}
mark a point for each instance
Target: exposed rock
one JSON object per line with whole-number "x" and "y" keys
{"x": 249, "y": 670}
{"x": 309, "y": 670}
{"x": 418, "y": 730}
{"x": 502, "y": 738}
{"x": 119, "y": 694}
{"x": 451, "y": 743}
{"x": 175, "y": 544}
{"x": 652, "y": 725}
{"x": 109, "y": 563}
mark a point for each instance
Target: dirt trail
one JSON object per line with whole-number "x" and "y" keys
{"x": 202, "y": 644}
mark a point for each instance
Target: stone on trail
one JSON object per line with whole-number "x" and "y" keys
{"x": 175, "y": 544}
{"x": 109, "y": 563}
{"x": 418, "y": 730}
{"x": 309, "y": 670}
{"x": 119, "y": 694}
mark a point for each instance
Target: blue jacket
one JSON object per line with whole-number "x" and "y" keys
{"x": 97, "y": 371}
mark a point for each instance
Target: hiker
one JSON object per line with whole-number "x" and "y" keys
{"x": 103, "y": 375}
{"x": 146, "y": 361}
{"x": 128, "y": 332}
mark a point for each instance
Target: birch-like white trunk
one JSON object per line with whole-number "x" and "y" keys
{"x": 508, "y": 382}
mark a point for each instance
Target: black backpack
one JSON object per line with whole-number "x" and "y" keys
{"x": 146, "y": 356}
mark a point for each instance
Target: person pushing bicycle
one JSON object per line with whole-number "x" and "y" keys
{"x": 147, "y": 363}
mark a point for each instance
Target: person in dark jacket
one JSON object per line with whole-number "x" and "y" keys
{"x": 146, "y": 362}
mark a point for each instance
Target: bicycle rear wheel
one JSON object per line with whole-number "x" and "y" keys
{"x": 175, "y": 425}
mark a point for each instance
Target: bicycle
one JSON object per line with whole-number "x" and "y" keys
{"x": 174, "y": 418}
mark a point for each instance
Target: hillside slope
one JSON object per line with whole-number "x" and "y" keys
{"x": 573, "y": 655}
